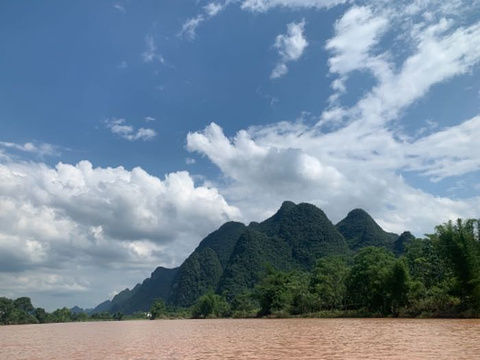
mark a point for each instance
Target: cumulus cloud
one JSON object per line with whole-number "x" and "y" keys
{"x": 358, "y": 155}
{"x": 121, "y": 128}
{"x": 74, "y": 219}
{"x": 290, "y": 47}
{"x": 265, "y": 164}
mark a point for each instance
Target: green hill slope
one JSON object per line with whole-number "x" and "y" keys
{"x": 234, "y": 257}
{"x": 294, "y": 238}
{"x": 203, "y": 269}
{"x": 360, "y": 230}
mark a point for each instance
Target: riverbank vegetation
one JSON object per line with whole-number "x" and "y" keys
{"x": 438, "y": 276}
{"x": 21, "y": 311}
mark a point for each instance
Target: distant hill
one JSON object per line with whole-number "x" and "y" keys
{"x": 234, "y": 257}
{"x": 79, "y": 310}
{"x": 401, "y": 243}
{"x": 360, "y": 230}
{"x": 141, "y": 297}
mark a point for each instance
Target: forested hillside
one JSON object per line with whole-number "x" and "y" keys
{"x": 233, "y": 258}
{"x": 296, "y": 263}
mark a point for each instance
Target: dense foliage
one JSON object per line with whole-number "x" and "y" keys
{"x": 438, "y": 276}
{"x": 233, "y": 260}
{"x": 21, "y": 311}
{"x": 360, "y": 230}
{"x": 292, "y": 239}
{"x": 202, "y": 270}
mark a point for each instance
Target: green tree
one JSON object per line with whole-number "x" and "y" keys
{"x": 158, "y": 309}
{"x": 6, "y": 309}
{"x": 425, "y": 263}
{"x": 24, "y": 304}
{"x": 367, "y": 281}
{"x": 244, "y": 305}
{"x": 211, "y": 305}
{"x": 283, "y": 293}
{"x": 459, "y": 245}
{"x": 117, "y": 316}
{"x": 328, "y": 282}
{"x": 41, "y": 315}
{"x": 303, "y": 300}
{"x": 398, "y": 285}
{"x": 61, "y": 315}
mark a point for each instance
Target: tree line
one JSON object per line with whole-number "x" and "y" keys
{"x": 21, "y": 311}
{"x": 438, "y": 276}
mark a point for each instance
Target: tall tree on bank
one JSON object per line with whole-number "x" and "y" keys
{"x": 329, "y": 282}
{"x": 368, "y": 279}
{"x": 460, "y": 245}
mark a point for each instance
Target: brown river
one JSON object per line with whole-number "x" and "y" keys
{"x": 245, "y": 339}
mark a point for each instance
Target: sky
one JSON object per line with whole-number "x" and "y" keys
{"x": 132, "y": 129}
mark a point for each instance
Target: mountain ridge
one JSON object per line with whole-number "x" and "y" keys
{"x": 233, "y": 258}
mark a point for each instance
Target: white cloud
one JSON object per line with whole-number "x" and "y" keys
{"x": 119, "y": 127}
{"x": 189, "y": 28}
{"x": 149, "y": 118}
{"x": 38, "y": 149}
{"x": 450, "y": 152}
{"x": 122, "y": 65}
{"x": 337, "y": 171}
{"x": 150, "y": 54}
{"x": 279, "y": 71}
{"x": 264, "y": 5}
{"x": 290, "y": 46}
{"x": 439, "y": 51}
{"x": 190, "y": 161}
{"x": 213, "y": 8}
{"x": 67, "y": 222}
{"x": 358, "y": 162}
{"x": 120, "y": 8}
{"x": 356, "y": 33}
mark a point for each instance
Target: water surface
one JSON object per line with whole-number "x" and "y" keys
{"x": 246, "y": 339}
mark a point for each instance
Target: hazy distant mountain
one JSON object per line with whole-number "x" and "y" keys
{"x": 234, "y": 257}
{"x": 78, "y": 310}
{"x": 141, "y": 297}
{"x": 102, "y": 307}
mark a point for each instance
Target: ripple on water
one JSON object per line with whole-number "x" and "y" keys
{"x": 250, "y": 339}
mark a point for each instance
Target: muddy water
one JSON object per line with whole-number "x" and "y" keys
{"x": 245, "y": 339}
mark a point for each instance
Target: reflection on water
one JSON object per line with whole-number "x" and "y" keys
{"x": 246, "y": 339}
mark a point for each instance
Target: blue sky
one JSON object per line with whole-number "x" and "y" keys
{"x": 130, "y": 130}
